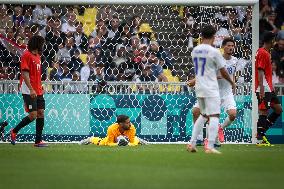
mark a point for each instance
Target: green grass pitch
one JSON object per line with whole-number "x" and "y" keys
{"x": 71, "y": 166}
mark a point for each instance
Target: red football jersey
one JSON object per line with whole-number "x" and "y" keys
{"x": 263, "y": 61}
{"x": 31, "y": 63}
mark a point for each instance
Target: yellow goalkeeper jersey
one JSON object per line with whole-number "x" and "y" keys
{"x": 113, "y": 132}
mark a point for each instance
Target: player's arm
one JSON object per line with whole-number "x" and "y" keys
{"x": 110, "y": 138}
{"x": 191, "y": 83}
{"x": 132, "y": 141}
{"x": 260, "y": 82}
{"x": 26, "y": 77}
{"x": 226, "y": 76}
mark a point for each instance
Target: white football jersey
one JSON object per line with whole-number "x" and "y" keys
{"x": 233, "y": 65}
{"x": 207, "y": 61}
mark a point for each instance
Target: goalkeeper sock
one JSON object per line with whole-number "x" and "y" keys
{"x": 198, "y": 126}
{"x": 39, "y": 128}
{"x": 25, "y": 121}
{"x": 212, "y": 131}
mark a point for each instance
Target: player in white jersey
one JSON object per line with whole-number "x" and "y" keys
{"x": 232, "y": 64}
{"x": 207, "y": 62}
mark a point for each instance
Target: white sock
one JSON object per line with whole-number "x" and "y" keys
{"x": 198, "y": 126}
{"x": 212, "y": 131}
{"x": 226, "y": 123}
{"x": 200, "y": 135}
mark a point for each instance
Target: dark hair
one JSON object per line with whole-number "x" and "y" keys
{"x": 121, "y": 118}
{"x": 115, "y": 17}
{"x": 268, "y": 36}
{"x": 208, "y": 31}
{"x": 226, "y": 40}
{"x": 78, "y": 23}
{"x": 36, "y": 42}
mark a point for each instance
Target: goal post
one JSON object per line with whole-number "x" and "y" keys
{"x": 133, "y": 87}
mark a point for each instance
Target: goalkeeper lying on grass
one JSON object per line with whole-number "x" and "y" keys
{"x": 121, "y": 133}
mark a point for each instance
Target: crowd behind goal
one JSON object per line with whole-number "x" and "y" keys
{"x": 102, "y": 43}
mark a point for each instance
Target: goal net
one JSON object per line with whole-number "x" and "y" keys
{"x": 100, "y": 61}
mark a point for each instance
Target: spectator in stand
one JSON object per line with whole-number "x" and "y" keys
{"x": 20, "y": 36}
{"x": 271, "y": 18}
{"x": 3, "y": 73}
{"x": 125, "y": 35}
{"x": 135, "y": 24}
{"x": 146, "y": 34}
{"x": 29, "y": 31}
{"x": 76, "y": 63}
{"x": 247, "y": 29}
{"x": 134, "y": 42}
{"x": 192, "y": 23}
{"x": 100, "y": 39}
{"x": 89, "y": 69}
{"x": 264, "y": 8}
{"x": 76, "y": 76}
{"x": 18, "y": 17}
{"x": 105, "y": 13}
{"x": 114, "y": 34}
{"x": 49, "y": 26}
{"x": 75, "y": 88}
{"x": 235, "y": 25}
{"x": 277, "y": 55}
{"x": 99, "y": 25}
{"x": 146, "y": 76}
{"x": 54, "y": 40}
{"x": 56, "y": 72}
{"x": 81, "y": 39}
{"x": 66, "y": 75}
{"x": 64, "y": 54}
{"x": 120, "y": 56}
{"x": 222, "y": 28}
{"x": 99, "y": 74}
{"x": 40, "y": 14}
{"x": 275, "y": 77}
{"x": 139, "y": 59}
{"x": 161, "y": 54}
{"x": 10, "y": 34}
{"x": 279, "y": 22}
{"x": 69, "y": 27}
{"x": 6, "y": 20}
{"x": 156, "y": 68}
{"x": 28, "y": 15}
{"x": 193, "y": 31}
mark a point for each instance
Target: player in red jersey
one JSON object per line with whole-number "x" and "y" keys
{"x": 265, "y": 91}
{"x": 31, "y": 89}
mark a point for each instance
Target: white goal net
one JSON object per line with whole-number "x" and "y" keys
{"x": 101, "y": 61}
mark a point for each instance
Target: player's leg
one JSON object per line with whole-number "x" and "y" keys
{"x": 40, "y": 122}
{"x": 273, "y": 116}
{"x": 195, "y": 115}
{"x": 31, "y": 107}
{"x": 91, "y": 140}
{"x": 198, "y": 126}
{"x": 263, "y": 106}
{"x": 229, "y": 106}
{"x": 213, "y": 110}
